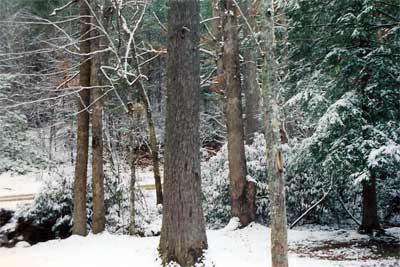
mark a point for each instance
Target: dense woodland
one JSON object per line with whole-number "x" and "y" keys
{"x": 282, "y": 113}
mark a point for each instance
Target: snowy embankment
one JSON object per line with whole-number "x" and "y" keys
{"x": 227, "y": 248}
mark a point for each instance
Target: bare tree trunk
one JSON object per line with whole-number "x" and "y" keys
{"x": 98, "y": 219}
{"x": 151, "y": 128}
{"x": 153, "y": 144}
{"x": 274, "y": 135}
{"x": 71, "y": 142}
{"x": 183, "y": 235}
{"x": 252, "y": 91}
{"x": 132, "y": 162}
{"x": 79, "y": 211}
{"x": 217, "y": 12}
{"x": 370, "y": 219}
{"x": 242, "y": 192}
{"x": 52, "y": 139}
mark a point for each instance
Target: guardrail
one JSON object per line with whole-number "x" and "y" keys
{"x": 22, "y": 197}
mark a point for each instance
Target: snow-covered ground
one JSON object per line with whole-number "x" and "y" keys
{"x": 14, "y": 185}
{"x": 11, "y": 184}
{"x": 249, "y": 247}
{"x": 17, "y": 185}
{"x": 227, "y": 248}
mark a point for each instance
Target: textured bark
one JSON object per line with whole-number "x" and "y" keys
{"x": 273, "y": 138}
{"x": 251, "y": 87}
{"x": 242, "y": 199}
{"x": 79, "y": 211}
{"x": 98, "y": 219}
{"x": 183, "y": 236}
{"x": 370, "y": 219}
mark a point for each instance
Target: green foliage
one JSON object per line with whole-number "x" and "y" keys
{"x": 342, "y": 90}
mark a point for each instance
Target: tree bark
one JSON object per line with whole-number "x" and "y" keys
{"x": 183, "y": 236}
{"x": 79, "y": 210}
{"x": 98, "y": 219}
{"x": 132, "y": 163}
{"x": 241, "y": 190}
{"x": 251, "y": 87}
{"x": 370, "y": 219}
{"x": 274, "y": 135}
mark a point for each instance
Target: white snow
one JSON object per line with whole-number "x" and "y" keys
{"x": 239, "y": 248}
{"x": 19, "y": 184}
{"x": 234, "y": 224}
{"x": 13, "y": 185}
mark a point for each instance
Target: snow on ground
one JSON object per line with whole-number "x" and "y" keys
{"x": 19, "y": 184}
{"x": 14, "y": 185}
{"x": 227, "y": 248}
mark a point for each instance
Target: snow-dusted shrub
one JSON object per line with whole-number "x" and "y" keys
{"x": 53, "y": 205}
{"x": 215, "y": 183}
{"x": 54, "y": 202}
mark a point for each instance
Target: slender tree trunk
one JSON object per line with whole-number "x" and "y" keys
{"x": 132, "y": 162}
{"x": 98, "y": 219}
{"x": 79, "y": 211}
{"x": 274, "y": 135}
{"x": 242, "y": 192}
{"x": 71, "y": 142}
{"x": 52, "y": 139}
{"x": 153, "y": 144}
{"x": 159, "y": 93}
{"x": 251, "y": 87}
{"x": 217, "y": 12}
{"x": 151, "y": 128}
{"x": 370, "y": 219}
{"x": 183, "y": 235}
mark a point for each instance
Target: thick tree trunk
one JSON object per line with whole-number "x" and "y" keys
{"x": 274, "y": 135}
{"x": 98, "y": 219}
{"x": 183, "y": 236}
{"x": 242, "y": 192}
{"x": 251, "y": 87}
{"x": 79, "y": 210}
{"x": 370, "y": 219}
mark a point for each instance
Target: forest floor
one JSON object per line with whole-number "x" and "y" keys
{"x": 309, "y": 246}
{"x": 227, "y": 247}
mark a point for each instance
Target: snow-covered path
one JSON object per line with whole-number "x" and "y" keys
{"x": 248, "y": 247}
